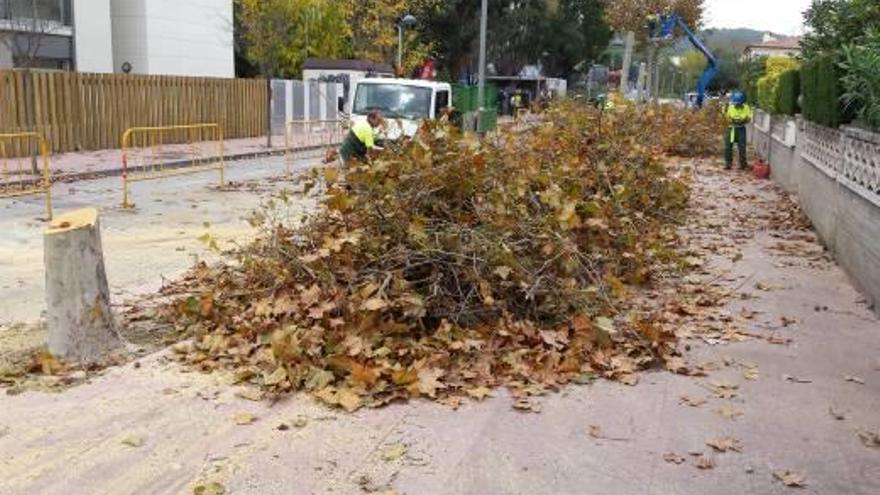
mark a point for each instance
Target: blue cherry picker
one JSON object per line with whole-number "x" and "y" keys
{"x": 662, "y": 28}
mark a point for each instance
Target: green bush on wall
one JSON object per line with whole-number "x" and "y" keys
{"x": 768, "y": 85}
{"x": 787, "y": 92}
{"x": 821, "y": 90}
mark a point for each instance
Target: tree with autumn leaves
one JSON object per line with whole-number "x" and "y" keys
{"x": 631, "y": 15}
{"x": 280, "y": 34}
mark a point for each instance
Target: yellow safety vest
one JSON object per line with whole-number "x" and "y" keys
{"x": 739, "y": 115}
{"x": 364, "y": 132}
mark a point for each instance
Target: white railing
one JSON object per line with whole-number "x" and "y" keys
{"x": 861, "y": 160}
{"x": 823, "y": 148}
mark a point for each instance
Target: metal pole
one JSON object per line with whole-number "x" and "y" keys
{"x": 627, "y": 62}
{"x": 399, "y": 49}
{"x": 481, "y": 89}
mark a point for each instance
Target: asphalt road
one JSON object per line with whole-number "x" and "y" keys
{"x": 151, "y": 428}
{"x": 156, "y": 240}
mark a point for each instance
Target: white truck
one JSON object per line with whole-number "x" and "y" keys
{"x": 405, "y": 103}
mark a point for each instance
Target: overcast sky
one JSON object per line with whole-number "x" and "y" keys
{"x": 779, "y": 16}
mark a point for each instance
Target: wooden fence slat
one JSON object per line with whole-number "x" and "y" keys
{"x": 83, "y": 111}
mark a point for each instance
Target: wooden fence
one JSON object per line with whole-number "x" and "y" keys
{"x": 80, "y": 111}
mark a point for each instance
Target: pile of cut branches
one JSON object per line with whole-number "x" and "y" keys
{"x": 450, "y": 268}
{"x": 692, "y": 133}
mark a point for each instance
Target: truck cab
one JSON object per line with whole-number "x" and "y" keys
{"x": 405, "y": 103}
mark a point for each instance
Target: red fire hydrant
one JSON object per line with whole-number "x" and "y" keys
{"x": 761, "y": 169}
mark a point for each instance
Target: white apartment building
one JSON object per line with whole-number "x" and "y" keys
{"x": 157, "y": 37}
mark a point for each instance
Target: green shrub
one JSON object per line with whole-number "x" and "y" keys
{"x": 861, "y": 81}
{"x": 749, "y": 73}
{"x": 822, "y": 91}
{"x": 787, "y": 92}
{"x": 768, "y": 85}
{"x": 767, "y": 93}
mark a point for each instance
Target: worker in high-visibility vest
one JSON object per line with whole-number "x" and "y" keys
{"x": 361, "y": 139}
{"x": 739, "y": 114}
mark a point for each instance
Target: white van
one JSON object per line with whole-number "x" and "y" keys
{"x": 405, "y": 103}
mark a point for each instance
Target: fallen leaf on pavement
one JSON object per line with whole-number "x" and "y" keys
{"x": 725, "y": 444}
{"x": 704, "y": 462}
{"x": 249, "y": 394}
{"x": 751, "y": 374}
{"x": 133, "y": 440}
{"x": 209, "y": 488}
{"x": 479, "y": 393}
{"x": 673, "y": 458}
{"x": 526, "y": 405}
{"x": 836, "y": 413}
{"x": 729, "y": 412}
{"x": 244, "y": 418}
{"x": 394, "y": 452}
{"x": 596, "y": 432}
{"x": 854, "y": 379}
{"x": 790, "y": 478}
{"x": 779, "y": 340}
{"x": 693, "y": 401}
{"x": 870, "y": 439}
{"x": 794, "y": 379}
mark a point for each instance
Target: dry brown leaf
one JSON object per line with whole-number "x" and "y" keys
{"x": 790, "y": 478}
{"x": 837, "y": 413}
{"x": 725, "y": 444}
{"x": 705, "y": 463}
{"x": 374, "y": 304}
{"x": 870, "y": 439}
{"x": 479, "y": 393}
{"x": 251, "y": 394}
{"x": 526, "y": 405}
{"x": 854, "y": 379}
{"x": 429, "y": 381}
{"x": 244, "y": 418}
{"x": 630, "y": 379}
{"x": 133, "y": 440}
{"x": 349, "y": 400}
{"x": 677, "y": 365}
{"x": 751, "y": 374}
{"x": 673, "y": 458}
{"x": 794, "y": 379}
{"x": 729, "y": 412}
{"x": 393, "y": 452}
{"x": 693, "y": 401}
{"x": 209, "y": 488}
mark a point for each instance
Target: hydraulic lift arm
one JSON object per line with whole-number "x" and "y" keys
{"x": 667, "y": 27}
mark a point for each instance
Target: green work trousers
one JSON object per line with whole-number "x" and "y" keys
{"x": 735, "y": 135}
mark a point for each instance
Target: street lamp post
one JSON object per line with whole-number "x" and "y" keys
{"x": 481, "y": 88}
{"x": 408, "y": 20}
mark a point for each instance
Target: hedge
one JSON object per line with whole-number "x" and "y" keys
{"x": 768, "y": 85}
{"x": 787, "y": 92}
{"x": 822, "y": 91}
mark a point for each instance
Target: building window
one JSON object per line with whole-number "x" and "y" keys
{"x": 58, "y": 11}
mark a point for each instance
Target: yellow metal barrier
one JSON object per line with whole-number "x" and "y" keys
{"x": 150, "y": 153}
{"x": 20, "y": 178}
{"x": 311, "y": 139}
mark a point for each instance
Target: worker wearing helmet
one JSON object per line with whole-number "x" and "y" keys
{"x": 739, "y": 113}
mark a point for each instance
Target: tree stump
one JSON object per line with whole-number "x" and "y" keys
{"x": 80, "y": 323}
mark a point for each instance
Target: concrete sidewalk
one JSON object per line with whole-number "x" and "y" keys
{"x": 793, "y": 406}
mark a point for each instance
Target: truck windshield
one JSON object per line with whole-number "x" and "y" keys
{"x": 394, "y": 100}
